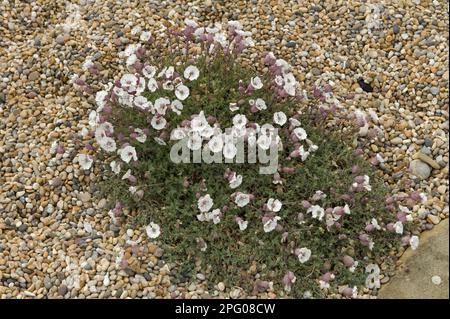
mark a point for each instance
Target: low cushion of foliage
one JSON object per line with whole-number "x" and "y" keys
{"x": 312, "y": 226}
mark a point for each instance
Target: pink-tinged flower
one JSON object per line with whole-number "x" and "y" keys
{"x": 205, "y": 203}
{"x": 303, "y": 254}
{"x": 128, "y": 153}
{"x": 191, "y": 73}
{"x": 158, "y": 122}
{"x": 243, "y": 224}
{"x": 318, "y": 195}
{"x": 270, "y": 222}
{"x": 235, "y": 180}
{"x": 181, "y": 92}
{"x": 274, "y": 205}
{"x": 260, "y": 104}
{"x": 316, "y": 212}
{"x": 85, "y": 161}
{"x": 288, "y": 280}
{"x": 279, "y": 118}
{"x": 153, "y": 230}
{"x": 298, "y": 134}
{"x": 256, "y": 83}
{"x": 241, "y": 199}
{"x": 115, "y": 167}
{"x": 398, "y": 227}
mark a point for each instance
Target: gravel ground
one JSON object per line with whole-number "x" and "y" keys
{"x": 57, "y": 242}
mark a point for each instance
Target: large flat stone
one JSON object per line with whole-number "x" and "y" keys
{"x": 413, "y": 278}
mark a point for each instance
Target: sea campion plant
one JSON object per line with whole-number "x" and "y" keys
{"x": 312, "y": 226}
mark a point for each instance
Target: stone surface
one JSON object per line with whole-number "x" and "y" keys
{"x": 420, "y": 169}
{"x": 414, "y": 276}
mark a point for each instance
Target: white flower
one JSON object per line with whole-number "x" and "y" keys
{"x": 152, "y": 85}
{"x": 346, "y": 209}
{"x": 242, "y": 199}
{"x": 141, "y": 102}
{"x": 260, "y": 104}
{"x": 176, "y": 106}
{"x": 279, "y": 118}
{"x": 214, "y": 215}
{"x": 375, "y": 224}
{"x": 130, "y": 49}
{"x": 239, "y": 120}
{"x": 132, "y": 189}
{"x": 316, "y": 211}
{"x": 271, "y": 224}
{"x": 366, "y": 184}
{"x": 274, "y": 205}
{"x": 300, "y": 133}
{"x": 199, "y": 122}
{"x": 168, "y": 85}
{"x": 141, "y": 137}
{"x": 205, "y": 203}
{"x": 160, "y": 141}
{"x": 115, "y": 167}
{"x": 93, "y": 118}
{"x": 158, "y": 122}
{"x": 233, "y": 107}
{"x": 264, "y": 142}
{"x": 145, "y": 36}
{"x": 216, "y": 143}
{"x": 191, "y": 73}
{"x": 235, "y": 181}
{"x": 398, "y": 226}
{"x": 85, "y": 161}
{"x": 294, "y": 122}
{"x": 229, "y": 150}
{"x": 127, "y": 174}
{"x": 132, "y": 59}
{"x": 256, "y": 82}
{"x": 353, "y": 267}
{"x": 108, "y": 144}
{"x": 161, "y": 104}
{"x": 181, "y": 92}
{"x": 414, "y": 242}
{"x": 129, "y": 82}
{"x": 177, "y": 134}
{"x": 127, "y": 153}
{"x": 242, "y": 224}
{"x": 153, "y": 230}
{"x": 303, "y": 254}
{"x": 194, "y": 141}
{"x": 149, "y": 71}
{"x": 100, "y": 99}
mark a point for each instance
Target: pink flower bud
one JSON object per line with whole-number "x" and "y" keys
{"x": 390, "y": 227}
{"x": 369, "y": 228}
{"x": 347, "y": 292}
{"x": 348, "y": 261}
{"x": 306, "y": 204}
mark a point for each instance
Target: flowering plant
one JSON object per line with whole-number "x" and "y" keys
{"x": 315, "y": 216}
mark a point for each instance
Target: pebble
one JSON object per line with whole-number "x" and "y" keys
{"x": 436, "y": 280}
{"x": 420, "y": 169}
